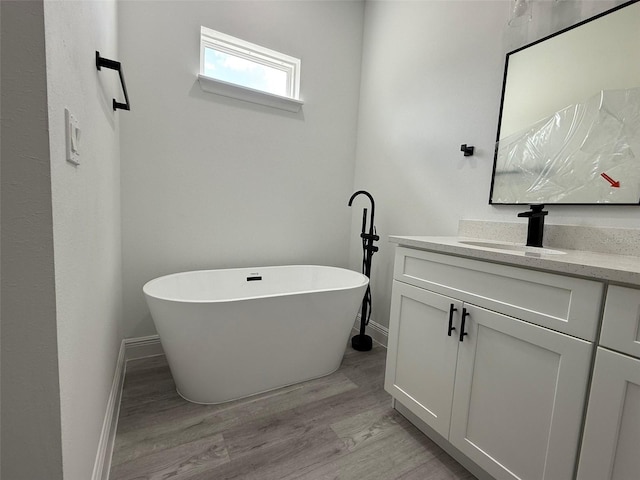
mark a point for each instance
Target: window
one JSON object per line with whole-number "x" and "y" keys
{"x": 233, "y": 67}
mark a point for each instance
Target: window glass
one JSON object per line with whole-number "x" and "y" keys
{"x": 241, "y": 71}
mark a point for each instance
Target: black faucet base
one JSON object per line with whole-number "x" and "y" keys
{"x": 361, "y": 342}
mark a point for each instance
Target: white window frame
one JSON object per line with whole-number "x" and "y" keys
{"x": 255, "y": 53}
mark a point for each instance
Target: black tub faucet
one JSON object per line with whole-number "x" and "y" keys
{"x": 364, "y": 342}
{"x": 535, "y": 229}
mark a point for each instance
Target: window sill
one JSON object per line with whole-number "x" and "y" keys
{"x": 226, "y": 89}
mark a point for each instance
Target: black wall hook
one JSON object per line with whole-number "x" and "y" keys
{"x": 113, "y": 65}
{"x": 468, "y": 151}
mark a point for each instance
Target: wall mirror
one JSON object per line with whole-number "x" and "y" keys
{"x": 569, "y": 125}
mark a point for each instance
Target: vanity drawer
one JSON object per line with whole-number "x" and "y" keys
{"x": 621, "y": 321}
{"x": 565, "y": 304}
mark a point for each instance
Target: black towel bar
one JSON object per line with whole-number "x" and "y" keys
{"x": 113, "y": 65}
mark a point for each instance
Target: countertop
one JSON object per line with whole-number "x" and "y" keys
{"x": 623, "y": 269}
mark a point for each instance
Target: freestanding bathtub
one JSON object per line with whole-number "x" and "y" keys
{"x": 228, "y": 334}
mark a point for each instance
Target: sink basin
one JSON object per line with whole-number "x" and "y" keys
{"x": 512, "y": 247}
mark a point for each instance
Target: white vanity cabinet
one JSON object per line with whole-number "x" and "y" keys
{"x": 509, "y": 394}
{"x": 611, "y": 441}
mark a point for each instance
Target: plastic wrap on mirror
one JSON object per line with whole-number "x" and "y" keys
{"x": 585, "y": 153}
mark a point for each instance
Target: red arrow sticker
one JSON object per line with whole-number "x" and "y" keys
{"x": 613, "y": 182}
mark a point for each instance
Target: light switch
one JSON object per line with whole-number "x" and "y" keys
{"x": 72, "y": 127}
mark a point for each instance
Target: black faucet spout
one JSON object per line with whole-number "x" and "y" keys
{"x": 371, "y": 236}
{"x": 535, "y": 229}
{"x": 373, "y": 209}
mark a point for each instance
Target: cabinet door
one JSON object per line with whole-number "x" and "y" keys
{"x": 421, "y": 356}
{"x": 611, "y": 442}
{"x": 519, "y": 397}
{"x": 621, "y": 321}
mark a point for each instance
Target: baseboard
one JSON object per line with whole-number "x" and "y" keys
{"x": 102, "y": 465}
{"x": 141, "y": 347}
{"x": 130, "y": 349}
{"x": 379, "y": 333}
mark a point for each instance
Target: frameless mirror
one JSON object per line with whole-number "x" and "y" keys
{"x": 569, "y": 126}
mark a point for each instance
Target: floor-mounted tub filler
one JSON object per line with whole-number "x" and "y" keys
{"x": 232, "y": 333}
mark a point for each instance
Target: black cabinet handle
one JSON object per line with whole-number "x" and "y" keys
{"x": 464, "y": 318}
{"x": 451, "y": 327}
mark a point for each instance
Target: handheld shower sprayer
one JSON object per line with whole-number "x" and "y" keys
{"x": 363, "y": 342}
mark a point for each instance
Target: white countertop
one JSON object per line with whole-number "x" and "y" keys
{"x": 623, "y": 269}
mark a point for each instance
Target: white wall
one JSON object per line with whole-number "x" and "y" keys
{"x": 212, "y": 182}
{"x": 0, "y": 275}
{"x": 61, "y": 255}
{"x": 31, "y": 443}
{"x": 431, "y": 81}
{"x": 86, "y": 221}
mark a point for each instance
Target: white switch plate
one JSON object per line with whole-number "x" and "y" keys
{"x": 72, "y": 134}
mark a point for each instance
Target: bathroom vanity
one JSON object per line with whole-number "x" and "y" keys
{"x": 491, "y": 353}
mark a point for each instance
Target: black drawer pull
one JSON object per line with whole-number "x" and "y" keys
{"x": 451, "y": 327}
{"x": 464, "y": 318}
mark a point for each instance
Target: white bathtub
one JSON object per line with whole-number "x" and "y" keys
{"x": 228, "y": 334}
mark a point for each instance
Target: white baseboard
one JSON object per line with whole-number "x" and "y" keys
{"x": 102, "y": 465}
{"x": 141, "y": 347}
{"x": 130, "y": 349}
{"x": 379, "y": 333}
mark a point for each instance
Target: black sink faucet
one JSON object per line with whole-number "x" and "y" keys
{"x": 535, "y": 230}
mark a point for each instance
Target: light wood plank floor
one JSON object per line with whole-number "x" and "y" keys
{"x": 340, "y": 426}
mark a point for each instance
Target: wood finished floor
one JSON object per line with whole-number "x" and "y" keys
{"x": 340, "y": 426}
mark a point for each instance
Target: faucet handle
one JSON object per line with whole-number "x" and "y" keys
{"x": 536, "y": 211}
{"x": 370, "y": 236}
